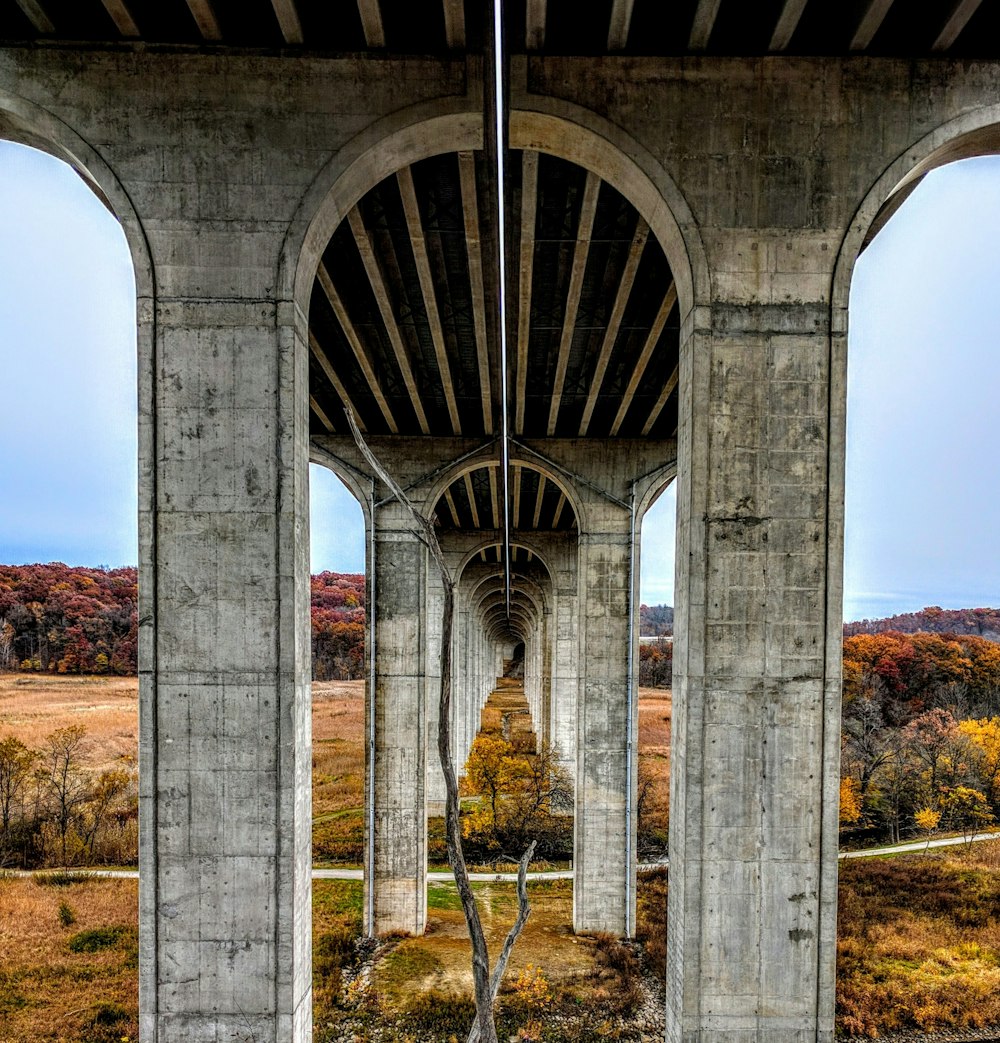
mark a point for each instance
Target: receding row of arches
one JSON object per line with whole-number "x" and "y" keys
{"x": 552, "y": 507}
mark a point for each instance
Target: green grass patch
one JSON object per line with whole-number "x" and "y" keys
{"x": 339, "y": 898}
{"x": 99, "y": 938}
{"x": 404, "y": 967}
{"x": 443, "y": 896}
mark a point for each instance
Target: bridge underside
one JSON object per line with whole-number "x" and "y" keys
{"x": 311, "y": 214}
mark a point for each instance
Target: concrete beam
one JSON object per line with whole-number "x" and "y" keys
{"x": 539, "y": 496}
{"x": 360, "y": 355}
{"x": 206, "y": 19}
{"x": 321, "y": 416}
{"x": 418, "y": 244}
{"x": 371, "y": 22}
{"x": 122, "y": 17}
{"x": 621, "y": 22}
{"x": 788, "y": 22}
{"x": 473, "y": 246}
{"x": 331, "y": 374}
{"x": 703, "y": 24}
{"x": 957, "y": 21}
{"x": 288, "y": 19}
{"x": 454, "y": 24}
{"x": 615, "y": 321}
{"x": 669, "y": 300}
{"x": 534, "y": 25}
{"x": 35, "y": 13}
{"x": 529, "y": 202}
{"x": 587, "y": 211}
{"x": 364, "y": 244}
{"x": 870, "y": 23}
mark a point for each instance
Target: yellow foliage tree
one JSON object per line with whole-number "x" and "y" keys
{"x": 927, "y": 819}
{"x": 984, "y": 735}
{"x": 850, "y": 801}
{"x": 493, "y": 770}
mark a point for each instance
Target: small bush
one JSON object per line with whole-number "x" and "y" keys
{"x": 106, "y": 1024}
{"x": 98, "y": 938}
{"x": 63, "y": 879}
{"x": 66, "y": 914}
{"x": 435, "y": 1016}
{"x": 109, "y": 1014}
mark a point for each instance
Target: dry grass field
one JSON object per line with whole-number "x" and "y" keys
{"x": 68, "y": 961}
{"x": 33, "y": 706}
{"x": 919, "y": 946}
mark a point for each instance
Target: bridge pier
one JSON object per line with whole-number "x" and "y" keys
{"x": 236, "y": 169}
{"x": 753, "y": 831}
{"x": 396, "y": 848}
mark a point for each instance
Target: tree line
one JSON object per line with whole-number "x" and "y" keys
{"x": 59, "y": 619}
{"x": 56, "y": 808}
{"x": 920, "y": 734}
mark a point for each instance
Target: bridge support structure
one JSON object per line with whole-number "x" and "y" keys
{"x": 760, "y": 178}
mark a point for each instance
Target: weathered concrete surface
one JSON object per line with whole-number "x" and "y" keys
{"x": 761, "y": 178}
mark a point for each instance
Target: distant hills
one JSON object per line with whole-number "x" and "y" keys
{"x": 980, "y": 622}
{"x": 656, "y": 620}
{"x": 60, "y": 619}
{"x": 56, "y": 618}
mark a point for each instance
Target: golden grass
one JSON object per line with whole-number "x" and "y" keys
{"x": 919, "y": 942}
{"x": 48, "y": 992}
{"x": 33, "y": 706}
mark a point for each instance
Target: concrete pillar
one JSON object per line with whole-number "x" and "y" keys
{"x": 398, "y": 885}
{"x": 603, "y": 851}
{"x": 565, "y": 670}
{"x": 225, "y": 710}
{"x": 753, "y": 831}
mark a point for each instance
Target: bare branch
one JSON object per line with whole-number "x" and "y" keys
{"x": 485, "y": 987}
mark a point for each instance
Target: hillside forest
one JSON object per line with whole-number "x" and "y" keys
{"x": 921, "y": 709}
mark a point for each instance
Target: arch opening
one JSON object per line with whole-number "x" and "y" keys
{"x": 921, "y": 321}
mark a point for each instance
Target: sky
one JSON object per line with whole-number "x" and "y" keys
{"x": 923, "y": 500}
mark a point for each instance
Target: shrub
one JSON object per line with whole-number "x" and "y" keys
{"x": 98, "y": 938}
{"x": 436, "y": 1017}
{"x": 62, "y": 879}
{"x": 66, "y": 914}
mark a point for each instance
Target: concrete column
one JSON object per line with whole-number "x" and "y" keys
{"x": 565, "y": 671}
{"x": 434, "y": 601}
{"x": 225, "y": 714}
{"x": 753, "y": 841}
{"x": 603, "y": 856}
{"x": 398, "y": 878}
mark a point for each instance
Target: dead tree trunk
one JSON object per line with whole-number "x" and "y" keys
{"x": 486, "y": 987}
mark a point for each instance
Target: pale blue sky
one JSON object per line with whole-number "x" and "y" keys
{"x": 923, "y": 501}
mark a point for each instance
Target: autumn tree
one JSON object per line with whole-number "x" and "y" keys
{"x": 928, "y": 820}
{"x": 63, "y": 779}
{"x": 966, "y": 809}
{"x": 850, "y": 801}
{"x": 16, "y": 765}
{"x": 984, "y": 739}
{"x": 523, "y": 798}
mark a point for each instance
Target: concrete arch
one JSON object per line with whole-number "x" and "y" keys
{"x": 447, "y": 478}
{"x": 526, "y": 584}
{"x": 547, "y": 125}
{"x": 491, "y": 541}
{"x": 563, "y": 129}
{"x": 496, "y": 598}
{"x": 24, "y": 122}
{"x": 653, "y": 487}
{"x": 357, "y": 484}
{"x": 975, "y": 133}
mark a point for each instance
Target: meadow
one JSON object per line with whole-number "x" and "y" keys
{"x": 919, "y": 946}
